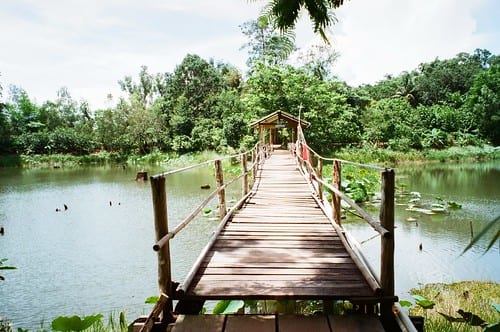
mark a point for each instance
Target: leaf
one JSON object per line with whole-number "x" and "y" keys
{"x": 451, "y": 318}
{"x": 493, "y": 327}
{"x": 423, "y": 302}
{"x": 234, "y": 306}
{"x": 404, "y": 303}
{"x": 482, "y": 233}
{"x": 152, "y": 300}
{"x": 228, "y": 307}
{"x": 496, "y": 306}
{"x": 493, "y": 240}
{"x": 74, "y": 323}
{"x": 454, "y": 205}
{"x": 220, "y": 307}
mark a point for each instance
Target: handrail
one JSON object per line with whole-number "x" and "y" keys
{"x": 374, "y": 167}
{"x": 170, "y": 235}
{"x": 178, "y": 170}
{"x": 375, "y": 225}
{"x": 384, "y": 225}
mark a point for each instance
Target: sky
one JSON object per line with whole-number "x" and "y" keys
{"x": 87, "y": 46}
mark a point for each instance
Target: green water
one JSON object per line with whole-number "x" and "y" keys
{"x": 443, "y": 236}
{"x": 97, "y": 257}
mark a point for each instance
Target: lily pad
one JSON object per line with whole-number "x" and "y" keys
{"x": 423, "y": 302}
{"x": 228, "y": 307}
{"x": 74, "y": 323}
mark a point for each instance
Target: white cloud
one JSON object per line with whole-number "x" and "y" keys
{"x": 88, "y": 45}
{"x": 389, "y": 36}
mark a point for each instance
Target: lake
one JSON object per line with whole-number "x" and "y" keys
{"x": 97, "y": 257}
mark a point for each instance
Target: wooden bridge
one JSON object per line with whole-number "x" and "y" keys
{"x": 282, "y": 241}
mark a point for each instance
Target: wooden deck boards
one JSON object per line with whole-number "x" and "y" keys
{"x": 277, "y": 323}
{"x": 279, "y": 245}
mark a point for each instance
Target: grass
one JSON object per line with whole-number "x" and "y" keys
{"x": 115, "y": 322}
{"x": 366, "y": 154}
{"x": 390, "y": 158}
{"x": 470, "y": 296}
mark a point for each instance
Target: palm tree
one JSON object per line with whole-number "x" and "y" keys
{"x": 285, "y": 13}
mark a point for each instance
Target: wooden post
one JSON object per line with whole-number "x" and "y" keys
{"x": 387, "y": 242}
{"x": 244, "y": 170}
{"x": 254, "y": 156}
{"x": 319, "y": 171}
{"x": 159, "y": 195}
{"x": 219, "y": 179}
{"x": 336, "y": 183}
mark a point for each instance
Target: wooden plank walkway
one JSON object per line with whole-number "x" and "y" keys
{"x": 275, "y": 323}
{"x": 279, "y": 245}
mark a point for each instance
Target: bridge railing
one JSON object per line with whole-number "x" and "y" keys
{"x": 384, "y": 285}
{"x": 168, "y": 288}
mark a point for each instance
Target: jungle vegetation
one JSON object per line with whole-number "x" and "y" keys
{"x": 207, "y": 105}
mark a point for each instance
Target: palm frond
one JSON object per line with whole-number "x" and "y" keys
{"x": 485, "y": 230}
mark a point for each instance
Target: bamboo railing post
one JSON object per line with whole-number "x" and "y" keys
{"x": 219, "y": 179}
{"x": 336, "y": 182}
{"x": 244, "y": 170}
{"x": 387, "y": 242}
{"x": 254, "y": 171}
{"x": 319, "y": 172}
{"x": 159, "y": 195}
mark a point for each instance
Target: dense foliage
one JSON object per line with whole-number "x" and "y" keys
{"x": 204, "y": 105}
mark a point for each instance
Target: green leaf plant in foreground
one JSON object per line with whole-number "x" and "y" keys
{"x": 74, "y": 323}
{"x": 228, "y": 307}
{"x": 152, "y": 300}
{"x": 423, "y": 302}
{"x": 490, "y": 225}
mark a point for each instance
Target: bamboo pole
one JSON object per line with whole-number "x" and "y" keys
{"x": 155, "y": 313}
{"x": 254, "y": 159}
{"x": 365, "y": 216}
{"x": 159, "y": 195}
{"x": 219, "y": 179}
{"x": 336, "y": 182}
{"x": 387, "y": 243}
{"x": 244, "y": 170}
{"x": 320, "y": 176}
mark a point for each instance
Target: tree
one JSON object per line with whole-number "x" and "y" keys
{"x": 265, "y": 43}
{"x": 144, "y": 91}
{"x": 191, "y": 96}
{"x": 322, "y": 103}
{"x": 483, "y": 102}
{"x": 285, "y": 13}
{"x": 392, "y": 121}
{"x": 439, "y": 80}
{"x": 6, "y": 145}
{"x": 319, "y": 60}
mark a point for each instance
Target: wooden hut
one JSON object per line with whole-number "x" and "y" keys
{"x": 278, "y": 128}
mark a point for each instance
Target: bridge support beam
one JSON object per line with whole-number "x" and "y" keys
{"x": 159, "y": 194}
{"x": 219, "y": 179}
{"x": 387, "y": 245}
{"x": 244, "y": 170}
{"x": 336, "y": 182}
